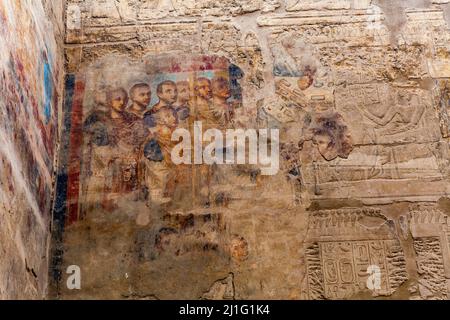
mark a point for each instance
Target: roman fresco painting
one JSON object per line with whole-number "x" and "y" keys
{"x": 117, "y": 164}
{"x": 125, "y": 122}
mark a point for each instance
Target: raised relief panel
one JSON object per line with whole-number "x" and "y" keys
{"x": 165, "y": 37}
{"x": 345, "y": 266}
{"x": 429, "y": 229}
{"x": 342, "y": 244}
{"x": 305, "y": 97}
{"x": 396, "y": 137}
{"x": 425, "y": 26}
{"x": 366, "y": 65}
{"x": 109, "y": 21}
{"x": 241, "y": 47}
{"x": 137, "y": 40}
{"x": 155, "y": 9}
{"x": 314, "y": 273}
{"x": 388, "y": 172}
{"x": 296, "y": 5}
{"x": 109, "y": 12}
{"x": 442, "y": 102}
{"x": 104, "y": 9}
{"x": 328, "y": 28}
{"x": 439, "y": 68}
{"x": 405, "y": 167}
{"x": 163, "y": 8}
{"x": 432, "y": 283}
{"x": 386, "y": 115}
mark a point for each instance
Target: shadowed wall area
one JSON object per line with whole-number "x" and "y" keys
{"x": 31, "y": 85}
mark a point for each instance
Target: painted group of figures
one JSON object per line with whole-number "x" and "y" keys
{"x": 128, "y": 145}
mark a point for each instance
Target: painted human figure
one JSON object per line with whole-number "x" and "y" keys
{"x": 160, "y": 122}
{"x": 128, "y": 136}
{"x": 99, "y": 126}
{"x": 140, "y": 95}
{"x": 165, "y": 123}
{"x": 183, "y": 104}
{"x": 167, "y": 94}
{"x": 114, "y": 159}
{"x": 204, "y": 113}
{"x": 162, "y": 118}
{"x": 203, "y": 102}
{"x": 223, "y": 112}
{"x": 158, "y": 152}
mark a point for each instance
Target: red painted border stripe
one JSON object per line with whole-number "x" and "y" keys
{"x": 74, "y": 160}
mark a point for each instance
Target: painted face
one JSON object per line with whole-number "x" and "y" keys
{"x": 239, "y": 249}
{"x": 221, "y": 89}
{"x": 166, "y": 122}
{"x": 142, "y": 96}
{"x": 166, "y": 117}
{"x": 184, "y": 93}
{"x": 325, "y": 147}
{"x": 169, "y": 93}
{"x": 305, "y": 82}
{"x": 118, "y": 100}
{"x": 203, "y": 89}
{"x": 164, "y": 240}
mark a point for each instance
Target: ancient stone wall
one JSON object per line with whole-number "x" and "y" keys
{"x": 359, "y": 91}
{"x": 31, "y": 86}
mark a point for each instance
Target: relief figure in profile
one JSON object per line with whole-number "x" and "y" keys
{"x": 404, "y": 115}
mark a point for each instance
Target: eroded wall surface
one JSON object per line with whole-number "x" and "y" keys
{"x": 31, "y": 70}
{"x": 359, "y": 91}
